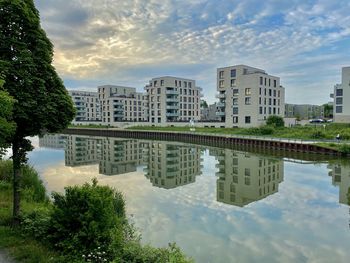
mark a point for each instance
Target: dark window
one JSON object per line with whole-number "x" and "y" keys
{"x": 339, "y": 100}
{"x": 235, "y": 110}
{"x": 247, "y": 119}
{"x": 233, "y": 73}
{"x": 339, "y": 92}
{"x": 339, "y": 109}
{"x": 261, "y": 80}
{"x": 275, "y": 83}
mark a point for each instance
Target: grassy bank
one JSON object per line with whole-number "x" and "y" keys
{"x": 87, "y": 224}
{"x": 309, "y": 132}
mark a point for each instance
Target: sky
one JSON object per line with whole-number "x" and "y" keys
{"x": 128, "y": 42}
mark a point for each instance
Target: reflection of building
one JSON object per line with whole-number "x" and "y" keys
{"x": 121, "y": 156}
{"x": 245, "y": 178}
{"x": 170, "y": 165}
{"x": 341, "y": 177}
{"x": 54, "y": 141}
{"x": 82, "y": 150}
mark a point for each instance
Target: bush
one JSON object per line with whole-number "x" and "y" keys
{"x": 317, "y": 135}
{"x": 87, "y": 219}
{"x": 264, "y": 130}
{"x": 275, "y": 121}
{"x": 37, "y": 223}
{"x": 345, "y": 149}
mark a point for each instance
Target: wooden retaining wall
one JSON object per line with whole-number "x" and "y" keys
{"x": 213, "y": 140}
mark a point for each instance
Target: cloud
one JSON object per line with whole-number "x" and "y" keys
{"x": 131, "y": 41}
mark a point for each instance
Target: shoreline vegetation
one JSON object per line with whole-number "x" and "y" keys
{"x": 323, "y": 136}
{"x": 86, "y": 224}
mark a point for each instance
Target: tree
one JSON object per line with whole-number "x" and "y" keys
{"x": 328, "y": 110}
{"x": 7, "y": 126}
{"x": 204, "y": 104}
{"x": 276, "y": 121}
{"x": 42, "y": 102}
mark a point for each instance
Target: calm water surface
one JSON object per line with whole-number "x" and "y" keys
{"x": 218, "y": 205}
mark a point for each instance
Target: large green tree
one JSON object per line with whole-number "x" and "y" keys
{"x": 42, "y": 102}
{"x": 7, "y": 126}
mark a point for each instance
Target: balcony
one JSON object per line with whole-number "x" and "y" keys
{"x": 172, "y": 107}
{"x": 119, "y": 115}
{"x": 221, "y": 96}
{"x": 220, "y": 166}
{"x": 115, "y": 103}
{"x": 172, "y": 99}
{"x": 172, "y": 114}
{"x": 220, "y": 113}
{"x": 172, "y": 92}
{"x": 220, "y": 104}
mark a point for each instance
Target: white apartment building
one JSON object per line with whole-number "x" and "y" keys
{"x": 173, "y": 99}
{"x": 122, "y": 104}
{"x": 248, "y": 96}
{"x": 340, "y": 174}
{"x": 342, "y": 98}
{"x": 87, "y": 105}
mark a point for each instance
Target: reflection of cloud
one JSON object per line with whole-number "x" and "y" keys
{"x": 303, "y": 222}
{"x": 131, "y": 41}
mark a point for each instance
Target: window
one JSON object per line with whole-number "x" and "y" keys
{"x": 245, "y": 71}
{"x": 233, "y": 82}
{"x": 221, "y": 84}
{"x": 275, "y": 83}
{"x": 162, "y": 82}
{"x": 247, "y": 172}
{"x": 247, "y": 101}
{"x": 247, "y": 119}
{"x": 339, "y": 109}
{"x": 248, "y": 92}
{"x": 339, "y": 92}
{"x": 261, "y": 80}
{"x": 235, "y": 119}
{"x": 175, "y": 82}
{"x": 339, "y": 100}
{"x": 155, "y": 84}
{"x": 158, "y": 90}
{"x": 235, "y": 110}
{"x": 233, "y": 73}
{"x": 221, "y": 74}
{"x": 235, "y": 101}
{"x": 235, "y": 92}
{"x": 260, "y": 110}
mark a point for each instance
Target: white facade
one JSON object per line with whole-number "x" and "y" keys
{"x": 87, "y": 105}
{"x": 342, "y": 98}
{"x": 122, "y": 104}
{"x": 248, "y": 96}
{"x": 173, "y": 99}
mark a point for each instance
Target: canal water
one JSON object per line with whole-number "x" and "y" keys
{"x": 218, "y": 205}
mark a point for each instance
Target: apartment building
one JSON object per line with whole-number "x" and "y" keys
{"x": 121, "y": 104}
{"x": 248, "y": 96}
{"x": 170, "y": 165}
{"x": 53, "y": 141}
{"x": 87, "y": 105}
{"x": 243, "y": 178}
{"x": 341, "y": 95}
{"x": 173, "y": 99}
{"x": 340, "y": 174}
{"x": 304, "y": 111}
{"x": 209, "y": 113}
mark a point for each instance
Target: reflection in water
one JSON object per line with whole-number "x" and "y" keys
{"x": 340, "y": 174}
{"x": 245, "y": 178}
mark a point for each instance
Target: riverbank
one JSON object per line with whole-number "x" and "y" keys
{"x": 217, "y": 139}
{"x": 44, "y": 234}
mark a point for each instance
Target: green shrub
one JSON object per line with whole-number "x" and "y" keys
{"x": 318, "y": 135}
{"x": 37, "y": 223}
{"x": 345, "y": 149}
{"x": 275, "y": 121}
{"x": 88, "y": 218}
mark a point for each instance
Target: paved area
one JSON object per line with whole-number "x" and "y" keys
{"x": 4, "y": 257}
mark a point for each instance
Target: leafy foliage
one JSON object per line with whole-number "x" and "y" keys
{"x": 275, "y": 121}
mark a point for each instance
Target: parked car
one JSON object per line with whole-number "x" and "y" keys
{"x": 330, "y": 120}
{"x": 316, "y": 121}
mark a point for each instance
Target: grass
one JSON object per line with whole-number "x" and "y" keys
{"x": 309, "y": 132}
{"x": 22, "y": 248}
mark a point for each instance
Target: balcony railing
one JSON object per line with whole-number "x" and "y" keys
{"x": 220, "y": 113}
{"x": 221, "y": 96}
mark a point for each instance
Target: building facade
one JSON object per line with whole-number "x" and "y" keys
{"x": 209, "y": 113}
{"x": 173, "y": 99}
{"x": 304, "y": 111}
{"x": 87, "y": 104}
{"x": 248, "y": 96}
{"x": 341, "y": 109}
{"x": 121, "y": 104}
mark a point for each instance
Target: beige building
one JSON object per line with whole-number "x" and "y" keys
{"x": 87, "y": 105}
{"x": 173, "y": 99}
{"x": 245, "y": 178}
{"x": 342, "y": 98}
{"x": 209, "y": 113}
{"x": 304, "y": 111}
{"x": 53, "y": 141}
{"x": 169, "y": 165}
{"x": 121, "y": 104}
{"x": 248, "y": 96}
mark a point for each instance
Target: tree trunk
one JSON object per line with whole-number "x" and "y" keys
{"x": 16, "y": 183}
